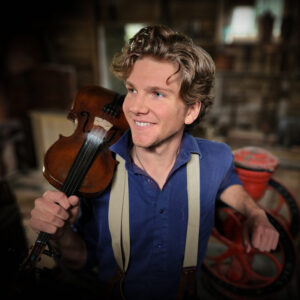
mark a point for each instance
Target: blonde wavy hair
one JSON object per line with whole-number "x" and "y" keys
{"x": 195, "y": 64}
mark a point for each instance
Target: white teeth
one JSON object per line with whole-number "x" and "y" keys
{"x": 142, "y": 123}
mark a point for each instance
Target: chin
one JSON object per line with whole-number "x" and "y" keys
{"x": 142, "y": 142}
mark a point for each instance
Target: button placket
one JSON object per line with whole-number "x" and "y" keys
{"x": 159, "y": 261}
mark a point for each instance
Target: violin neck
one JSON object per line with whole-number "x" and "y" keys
{"x": 82, "y": 163}
{"x": 72, "y": 183}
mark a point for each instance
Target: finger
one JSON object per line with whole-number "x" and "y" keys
{"x": 57, "y": 197}
{"x": 38, "y": 225}
{"x": 246, "y": 238}
{"x": 74, "y": 210}
{"x": 270, "y": 237}
{"x": 256, "y": 239}
{"x": 48, "y": 218}
{"x": 74, "y": 200}
{"x": 73, "y": 214}
{"x": 265, "y": 242}
{"x": 45, "y": 205}
{"x": 275, "y": 240}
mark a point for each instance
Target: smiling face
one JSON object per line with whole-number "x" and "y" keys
{"x": 153, "y": 107}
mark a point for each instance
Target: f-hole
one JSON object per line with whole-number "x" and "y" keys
{"x": 87, "y": 115}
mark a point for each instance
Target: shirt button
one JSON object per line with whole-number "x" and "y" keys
{"x": 158, "y": 246}
{"x": 161, "y": 211}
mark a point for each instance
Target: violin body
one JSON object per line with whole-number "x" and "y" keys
{"x": 82, "y": 163}
{"x": 94, "y": 108}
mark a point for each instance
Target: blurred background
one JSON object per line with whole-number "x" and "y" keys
{"x": 50, "y": 49}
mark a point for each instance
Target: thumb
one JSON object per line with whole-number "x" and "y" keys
{"x": 246, "y": 238}
{"x": 74, "y": 200}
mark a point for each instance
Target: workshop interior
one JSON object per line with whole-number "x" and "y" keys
{"x": 51, "y": 49}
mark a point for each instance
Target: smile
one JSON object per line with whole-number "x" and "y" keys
{"x": 142, "y": 124}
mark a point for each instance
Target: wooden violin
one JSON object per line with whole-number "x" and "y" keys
{"x": 82, "y": 163}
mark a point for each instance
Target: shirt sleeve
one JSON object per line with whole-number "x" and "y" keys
{"x": 231, "y": 178}
{"x": 86, "y": 227}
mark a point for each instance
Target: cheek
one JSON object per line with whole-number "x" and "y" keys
{"x": 125, "y": 105}
{"x": 180, "y": 112}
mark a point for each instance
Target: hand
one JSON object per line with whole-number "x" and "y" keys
{"x": 53, "y": 212}
{"x": 259, "y": 233}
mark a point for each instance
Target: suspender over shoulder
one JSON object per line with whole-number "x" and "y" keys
{"x": 118, "y": 218}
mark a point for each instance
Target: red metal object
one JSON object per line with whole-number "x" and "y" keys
{"x": 239, "y": 266}
{"x": 246, "y": 275}
{"x": 242, "y": 275}
{"x": 255, "y": 166}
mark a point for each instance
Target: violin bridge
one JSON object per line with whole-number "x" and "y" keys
{"x": 102, "y": 123}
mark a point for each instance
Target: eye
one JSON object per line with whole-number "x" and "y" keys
{"x": 131, "y": 90}
{"x": 158, "y": 94}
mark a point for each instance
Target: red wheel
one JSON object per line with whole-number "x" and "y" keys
{"x": 279, "y": 202}
{"x": 247, "y": 274}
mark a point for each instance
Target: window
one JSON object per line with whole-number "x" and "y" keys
{"x": 244, "y": 21}
{"x": 242, "y": 25}
{"x": 275, "y": 7}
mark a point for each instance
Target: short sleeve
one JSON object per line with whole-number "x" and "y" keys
{"x": 231, "y": 178}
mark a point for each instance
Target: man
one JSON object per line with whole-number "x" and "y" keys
{"x": 168, "y": 80}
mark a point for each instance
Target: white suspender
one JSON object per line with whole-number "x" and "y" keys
{"x": 193, "y": 225}
{"x": 118, "y": 214}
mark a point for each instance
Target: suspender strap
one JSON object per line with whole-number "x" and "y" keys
{"x": 186, "y": 283}
{"x": 187, "y": 278}
{"x": 116, "y": 280}
{"x": 193, "y": 189}
{"x": 118, "y": 218}
{"x": 118, "y": 221}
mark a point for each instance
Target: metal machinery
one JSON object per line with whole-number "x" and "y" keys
{"x": 230, "y": 270}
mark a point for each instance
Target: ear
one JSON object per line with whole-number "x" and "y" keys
{"x": 192, "y": 113}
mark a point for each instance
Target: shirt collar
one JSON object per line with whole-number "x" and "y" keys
{"x": 123, "y": 145}
{"x": 188, "y": 145}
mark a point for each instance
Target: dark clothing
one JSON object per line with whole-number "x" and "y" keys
{"x": 158, "y": 218}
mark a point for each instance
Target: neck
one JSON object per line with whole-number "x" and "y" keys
{"x": 157, "y": 163}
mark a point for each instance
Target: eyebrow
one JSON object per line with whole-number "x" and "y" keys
{"x": 152, "y": 88}
{"x": 129, "y": 83}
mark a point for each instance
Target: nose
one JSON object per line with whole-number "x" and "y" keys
{"x": 138, "y": 104}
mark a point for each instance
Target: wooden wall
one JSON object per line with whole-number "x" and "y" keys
{"x": 49, "y": 49}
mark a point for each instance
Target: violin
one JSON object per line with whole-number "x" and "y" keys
{"x": 82, "y": 163}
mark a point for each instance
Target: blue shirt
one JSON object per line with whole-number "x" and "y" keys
{"x": 158, "y": 218}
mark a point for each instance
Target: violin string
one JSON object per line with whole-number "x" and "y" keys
{"x": 85, "y": 157}
{"x": 86, "y": 153}
{"x": 89, "y": 155}
{"x": 70, "y": 185}
{"x": 73, "y": 178}
{"x": 83, "y": 160}
{"x": 76, "y": 174}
